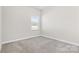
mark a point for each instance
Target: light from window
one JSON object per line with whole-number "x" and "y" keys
{"x": 35, "y": 22}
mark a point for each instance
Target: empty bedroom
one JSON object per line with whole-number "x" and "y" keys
{"x": 39, "y": 29}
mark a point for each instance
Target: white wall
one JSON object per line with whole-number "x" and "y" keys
{"x": 17, "y": 23}
{"x": 0, "y": 26}
{"x": 61, "y": 23}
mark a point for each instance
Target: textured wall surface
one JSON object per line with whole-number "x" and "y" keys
{"x": 17, "y": 23}
{"x": 61, "y": 23}
{"x": 0, "y": 26}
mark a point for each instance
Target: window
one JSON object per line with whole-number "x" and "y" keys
{"x": 35, "y": 22}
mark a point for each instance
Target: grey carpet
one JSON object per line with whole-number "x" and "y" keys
{"x": 39, "y": 45}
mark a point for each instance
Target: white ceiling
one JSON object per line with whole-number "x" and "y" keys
{"x": 40, "y": 7}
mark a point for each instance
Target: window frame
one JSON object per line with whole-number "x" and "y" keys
{"x": 38, "y": 23}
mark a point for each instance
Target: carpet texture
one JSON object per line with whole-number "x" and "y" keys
{"x": 39, "y": 45}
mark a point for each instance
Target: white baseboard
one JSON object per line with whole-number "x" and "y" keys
{"x": 43, "y": 36}
{"x": 19, "y": 39}
{"x": 61, "y": 40}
